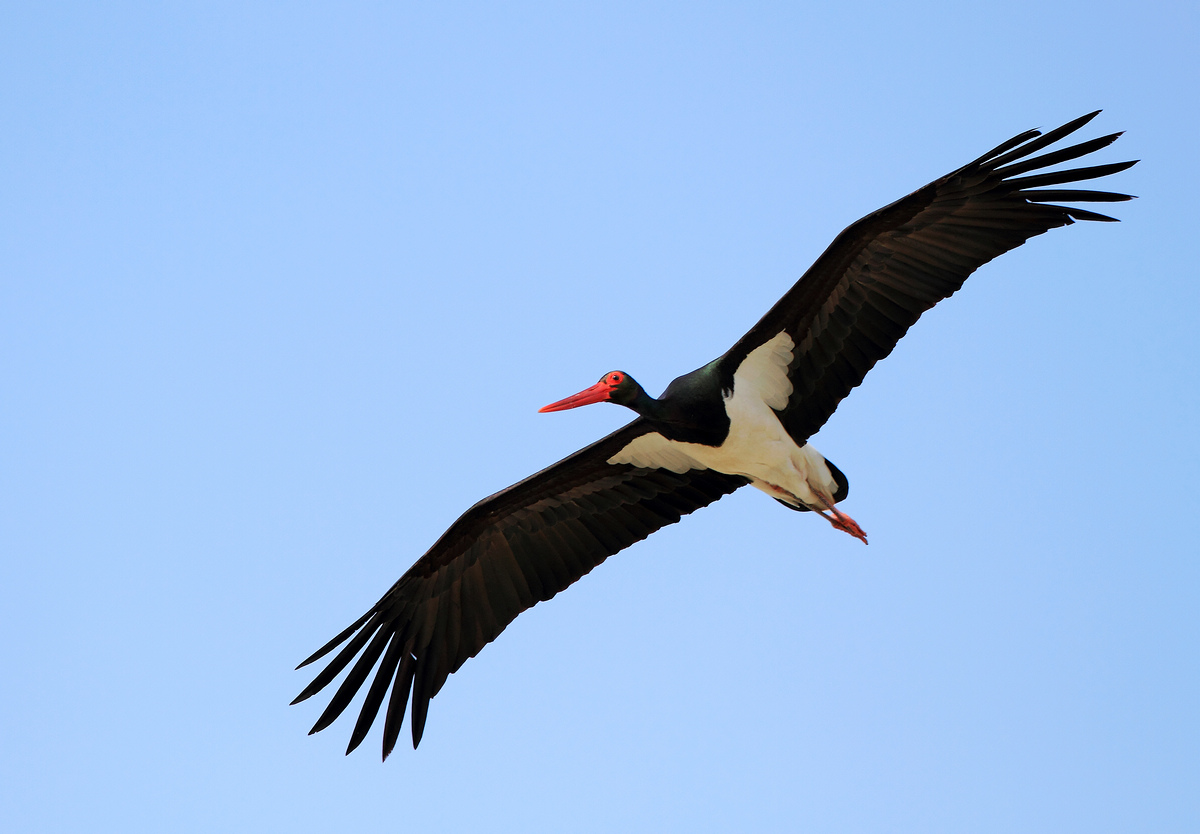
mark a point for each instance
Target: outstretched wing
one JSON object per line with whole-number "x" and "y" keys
{"x": 507, "y": 553}
{"x": 879, "y": 275}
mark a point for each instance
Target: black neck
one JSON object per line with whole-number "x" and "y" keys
{"x": 691, "y": 410}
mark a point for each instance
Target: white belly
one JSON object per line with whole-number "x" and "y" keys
{"x": 757, "y": 447}
{"x": 760, "y": 449}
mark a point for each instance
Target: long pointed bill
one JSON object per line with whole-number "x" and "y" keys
{"x": 598, "y": 393}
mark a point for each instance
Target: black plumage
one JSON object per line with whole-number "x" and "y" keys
{"x": 510, "y": 551}
{"x": 879, "y": 275}
{"x": 526, "y": 543}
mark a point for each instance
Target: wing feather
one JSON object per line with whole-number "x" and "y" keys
{"x": 504, "y": 555}
{"x": 858, "y": 300}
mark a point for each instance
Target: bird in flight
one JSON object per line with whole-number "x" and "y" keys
{"x": 743, "y": 419}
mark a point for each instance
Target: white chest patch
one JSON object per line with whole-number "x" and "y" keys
{"x": 758, "y": 447}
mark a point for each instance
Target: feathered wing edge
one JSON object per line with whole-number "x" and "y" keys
{"x": 875, "y": 280}
{"x": 504, "y": 555}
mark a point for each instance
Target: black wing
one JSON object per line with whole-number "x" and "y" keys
{"x": 506, "y": 554}
{"x": 878, "y": 276}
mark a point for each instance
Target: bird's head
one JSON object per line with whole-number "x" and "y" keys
{"x": 614, "y": 387}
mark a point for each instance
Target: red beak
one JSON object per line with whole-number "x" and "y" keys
{"x": 598, "y": 393}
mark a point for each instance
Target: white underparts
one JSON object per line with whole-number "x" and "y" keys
{"x": 758, "y": 447}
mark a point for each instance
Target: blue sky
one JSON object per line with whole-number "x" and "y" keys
{"x": 283, "y": 285}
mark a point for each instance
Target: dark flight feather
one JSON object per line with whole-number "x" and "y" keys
{"x": 510, "y": 551}
{"x": 874, "y": 281}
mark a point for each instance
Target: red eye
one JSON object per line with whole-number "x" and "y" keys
{"x": 614, "y": 379}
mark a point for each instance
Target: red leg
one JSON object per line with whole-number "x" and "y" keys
{"x": 842, "y": 521}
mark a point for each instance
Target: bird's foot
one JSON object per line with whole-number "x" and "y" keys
{"x": 846, "y": 524}
{"x": 843, "y": 522}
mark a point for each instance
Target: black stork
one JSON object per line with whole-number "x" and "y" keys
{"x": 744, "y": 418}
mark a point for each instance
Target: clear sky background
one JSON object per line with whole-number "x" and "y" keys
{"x": 282, "y": 286}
